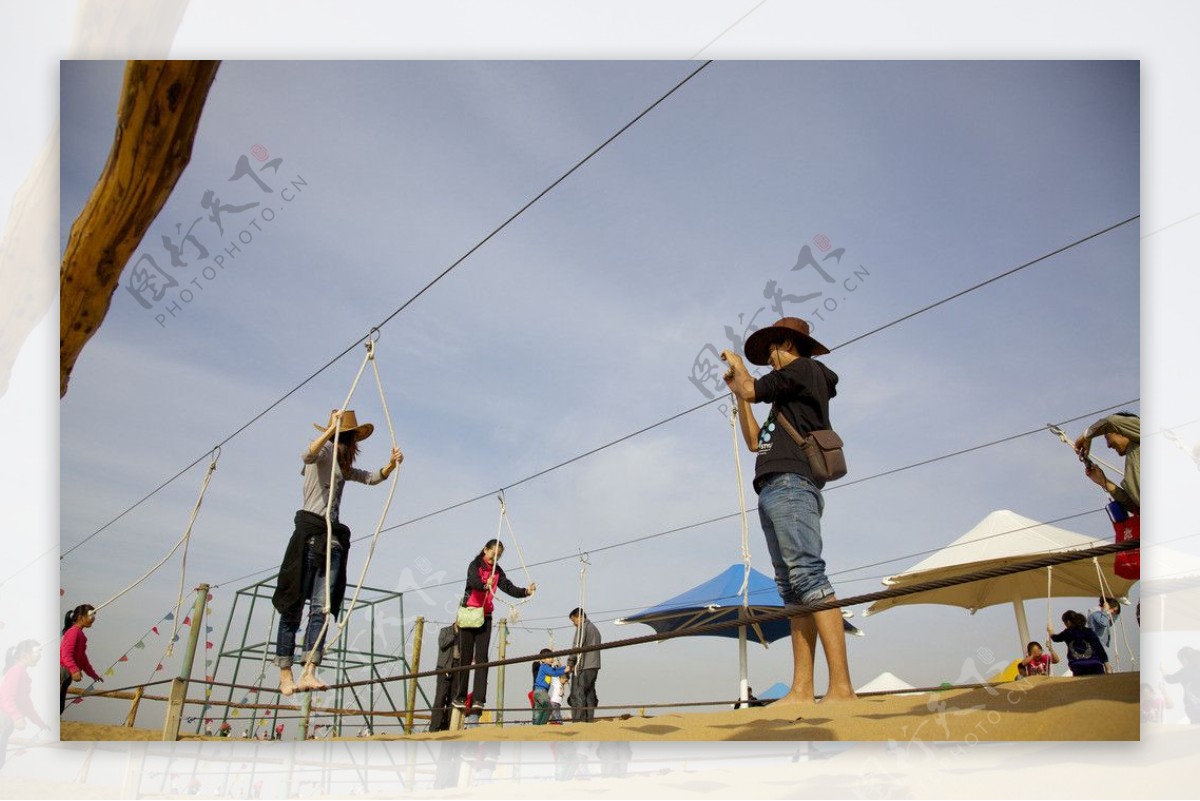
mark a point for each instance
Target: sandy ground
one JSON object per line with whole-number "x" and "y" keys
{"x": 1040, "y": 708}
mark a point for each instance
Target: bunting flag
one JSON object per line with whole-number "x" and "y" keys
{"x": 160, "y": 667}
{"x": 175, "y": 638}
{"x": 140, "y": 644}
{"x": 235, "y": 713}
{"x": 170, "y": 616}
{"x": 123, "y": 659}
{"x": 209, "y": 598}
{"x": 62, "y": 592}
{"x": 77, "y": 701}
{"x": 187, "y": 621}
{"x": 208, "y": 693}
{"x": 108, "y": 672}
{"x": 208, "y": 629}
{"x": 154, "y": 629}
{"x": 208, "y": 645}
{"x": 208, "y": 678}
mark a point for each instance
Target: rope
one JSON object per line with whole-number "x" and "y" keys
{"x": 584, "y": 561}
{"x": 741, "y": 491}
{"x": 1091, "y": 457}
{"x": 788, "y": 613}
{"x": 333, "y": 488}
{"x": 1106, "y": 591}
{"x": 187, "y": 534}
{"x": 362, "y": 577}
{"x": 504, "y": 521}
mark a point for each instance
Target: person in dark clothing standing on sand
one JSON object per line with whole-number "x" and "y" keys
{"x": 789, "y": 498}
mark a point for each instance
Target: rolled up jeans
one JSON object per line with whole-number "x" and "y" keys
{"x": 789, "y": 509}
{"x": 314, "y": 591}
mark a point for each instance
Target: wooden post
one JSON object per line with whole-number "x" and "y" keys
{"x": 174, "y": 710}
{"x": 133, "y": 707}
{"x": 503, "y": 631}
{"x": 179, "y": 685}
{"x": 415, "y": 665}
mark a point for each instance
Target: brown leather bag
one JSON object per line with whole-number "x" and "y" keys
{"x": 823, "y": 449}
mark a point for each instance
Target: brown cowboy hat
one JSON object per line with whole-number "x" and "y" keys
{"x": 349, "y": 423}
{"x": 758, "y": 346}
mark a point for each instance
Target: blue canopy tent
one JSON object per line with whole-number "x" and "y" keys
{"x": 719, "y": 600}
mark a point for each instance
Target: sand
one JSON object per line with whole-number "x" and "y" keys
{"x": 1038, "y": 708}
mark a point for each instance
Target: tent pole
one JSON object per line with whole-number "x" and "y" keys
{"x": 1022, "y": 623}
{"x": 744, "y": 687}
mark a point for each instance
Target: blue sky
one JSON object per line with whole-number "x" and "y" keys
{"x": 580, "y": 323}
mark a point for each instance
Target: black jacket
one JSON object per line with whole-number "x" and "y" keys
{"x": 289, "y": 589}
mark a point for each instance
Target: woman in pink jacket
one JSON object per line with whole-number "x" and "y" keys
{"x": 72, "y": 651}
{"x": 16, "y": 705}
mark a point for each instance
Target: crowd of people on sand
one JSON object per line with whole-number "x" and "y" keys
{"x": 788, "y": 478}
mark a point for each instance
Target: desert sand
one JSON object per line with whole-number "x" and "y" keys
{"x": 1039, "y": 708}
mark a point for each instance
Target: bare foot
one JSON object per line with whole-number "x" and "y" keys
{"x": 837, "y": 696}
{"x": 287, "y": 685}
{"x": 793, "y": 699}
{"x": 309, "y": 681}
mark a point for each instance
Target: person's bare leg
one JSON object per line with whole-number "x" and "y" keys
{"x": 804, "y": 649}
{"x": 833, "y": 640}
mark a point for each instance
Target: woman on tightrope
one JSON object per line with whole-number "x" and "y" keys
{"x": 72, "y": 651}
{"x": 302, "y": 574}
{"x": 484, "y": 577}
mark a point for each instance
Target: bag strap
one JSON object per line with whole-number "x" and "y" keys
{"x": 787, "y": 426}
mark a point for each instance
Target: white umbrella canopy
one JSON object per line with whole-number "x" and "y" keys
{"x": 1004, "y": 538}
{"x": 885, "y": 682}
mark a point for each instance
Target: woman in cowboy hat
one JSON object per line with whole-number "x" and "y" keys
{"x": 302, "y": 575}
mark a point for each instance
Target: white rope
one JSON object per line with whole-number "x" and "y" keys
{"x": 187, "y": 533}
{"x": 1049, "y": 619}
{"x": 327, "y": 606}
{"x": 584, "y": 561}
{"x": 362, "y": 576}
{"x": 1066, "y": 440}
{"x": 1106, "y": 592}
{"x": 741, "y": 489}
{"x": 513, "y": 613}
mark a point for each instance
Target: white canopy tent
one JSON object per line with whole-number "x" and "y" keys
{"x": 886, "y": 682}
{"x": 1003, "y": 538}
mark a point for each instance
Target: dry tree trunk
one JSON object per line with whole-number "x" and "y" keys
{"x": 157, "y": 119}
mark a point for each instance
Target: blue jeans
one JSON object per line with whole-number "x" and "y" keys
{"x": 789, "y": 508}
{"x": 314, "y": 591}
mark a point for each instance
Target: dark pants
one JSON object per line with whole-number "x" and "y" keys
{"x": 583, "y": 699}
{"x": 65, "y": 678}
{"x": 6, "y": 730}
{"x": 473, "y": 649}
{"x": 439, "y": 716}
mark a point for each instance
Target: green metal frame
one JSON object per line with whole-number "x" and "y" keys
{"x": 348, "y": 664}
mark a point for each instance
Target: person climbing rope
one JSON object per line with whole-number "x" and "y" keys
{"x": 302, "y": 575}
{"x": 1122, "y": 433}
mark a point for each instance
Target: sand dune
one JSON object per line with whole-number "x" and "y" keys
{"x": 1039, "y": 708}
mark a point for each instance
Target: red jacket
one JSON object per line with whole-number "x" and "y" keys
{"x": 72, "y": 653}
{"x": 480, "y": 593}
{"x": 14, "y": 696}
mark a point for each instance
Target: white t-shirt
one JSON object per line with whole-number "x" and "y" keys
{"x": 556, "y": 689}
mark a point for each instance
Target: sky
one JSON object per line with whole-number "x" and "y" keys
{"x": 850, "y": 193}
{"x": 588, "y": 317}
